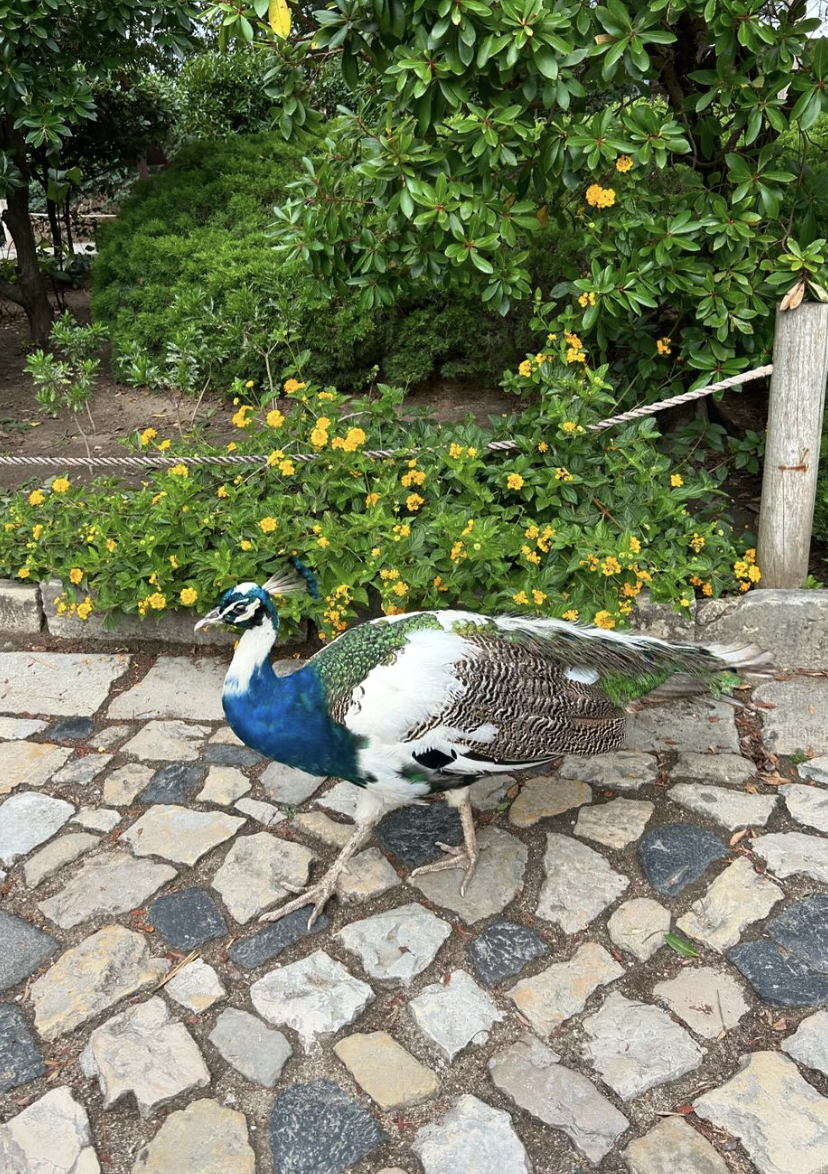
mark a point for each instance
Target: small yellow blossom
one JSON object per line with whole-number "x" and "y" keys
{"x": 287, "y": 468}
{"x": 562, "y": 474}
{"x": 292, "y": 385}
{"x": 575, "y": 356}
{"x": 586, "y": 299}
{"x": 164, "y": 445}
{"x": 241, "y": 418}
{"x": 375, "y": 552}
{"x": 635, "y": 545}
{"x": 157, "y": 498}
{"x": 697, "y": 542}
{"x": 36, "y": 497}
{"x": 157, "y": 601}
{"x": 514, "y": 481}
{"x": 325, "y": 395}
{"x": 676, "y": 480}
{"x": 754, "y": 574}
{"x": 598, "y": 197}
{"x": 23, "y": 573}
{"x": 319, "y": 437}
{"x": 707, "y": 589}
{"x": 543, "y": 446}
{"x": 232, "y": 446}
{"x": 525, "y": 367}
{"x": 750, "y": 555}
{"x": 400, "y": 589}
{"x": 471, "y": 452}
{"x": 371, "y": 499}
{"x": 111, "y": 544}
{"x": 455, "y": 450}
{"x": 147, "y": 435}
{"x": 267, "y": 525}
{"x": 610, "y": 566}
{"x": 538, "y": 596}
{"x": 37, "y": 531}
{"x": 663, "y": 346}
{"x": 275, "y": 419}
{"x": 623, "y": 163}
{"x": 521, "y": 597}
{"x": 684, "y": 601}
{"x": 744, "y": 586}
{"x": 604, "y": 620}
{"x": 568, "y": 426}
{"x": 571, "y": 615}
{"x": 222, "y": 491}
{"x": 75, "y": 575}
{"x": 414, "y": 501}
{"x": 245, "y": 545}
{"x": 179, "y": 471}
{"x": 323, "y": 542}
{"x": 173, "y": 562}
{"x": 60, "y": 485}
{"x": 250, "y": 384}
{"x": 83, "y": 609}
{"x": 188, "y": 596}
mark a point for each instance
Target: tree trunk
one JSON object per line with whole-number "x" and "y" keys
{"x": 29, "y": 291}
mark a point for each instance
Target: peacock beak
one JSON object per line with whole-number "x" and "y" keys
{"x": 212, "y": 617}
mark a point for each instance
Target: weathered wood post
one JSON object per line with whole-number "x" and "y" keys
{"x": 797, "y": 397}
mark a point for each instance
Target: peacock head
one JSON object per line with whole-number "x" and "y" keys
{"x": 248, "y": 605}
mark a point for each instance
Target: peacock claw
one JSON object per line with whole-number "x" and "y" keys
{"x": 317, "y": 895}
{"x": 455, "y": 857}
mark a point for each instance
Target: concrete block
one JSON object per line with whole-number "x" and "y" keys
{"x": 793, "y": 625}
{"x": 21, "y": 608}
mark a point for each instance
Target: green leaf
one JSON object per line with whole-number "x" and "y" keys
{"x": 680, "y": 946}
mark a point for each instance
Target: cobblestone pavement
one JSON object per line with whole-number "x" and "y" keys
{"x": 545, "y": 1022}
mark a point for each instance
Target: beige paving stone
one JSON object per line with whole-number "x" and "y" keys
{"x": 29, "y": 764}
{"x": 736, "y": 898}
{"x": 322, "y": 827}
{"x": 63, "y": 684}
{"x": 180, "y": 834}
{"x": 124, "y": 784}
{"x": 167, "y": 741}
{"x": 105, "y": 885}
{"x": 56, "y": 855}
{"x": 544, "y": 797}
{"x": 224, "y": 785}
{"x": 256, "y": 870}
{"x": 709, "y": 1001}
{"x": 369, "y": 875}
{"x": 555, "y": 994}
{"x": 614, "y": 824}
{"x": 385, "y": 1070}
{"x": 497, "y": 879}
{"x": 204, "y": 1138}
{"x": 639, "y": 926}
{"x": 175, "y": 687}
{"x": 50, "y": 1136}
{"x": 673, "y": 1147}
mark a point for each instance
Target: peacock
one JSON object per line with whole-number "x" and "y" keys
{"x": 427, "y": 702}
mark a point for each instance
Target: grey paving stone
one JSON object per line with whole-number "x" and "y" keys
{"x": 52, "y": 1134}
{"x": 23, "y": 948}
{"x": 13, "y": 729}
{"x": 555, "y": 994}
{"x": 815, "y": 769}
{"x": 187, "y": 919}
{"x": 385, "y": 1070}
{"x": 636, "y": 1046}
{"x": 411, "y": 833}
{"x": 175, "y": 686}
{"x": 396, "y": 945}
{"x": 322, "y": 827}
{"x": 732, "y": 769}
{"x": 489, "y": 791}
{"x": 809, "y": 1043}
{"x": 698, "y": 725}
{"x": 56, "y": 855}
{"x": 545, "y": 797}
{"x": 62, "y": 684}
{"x": 367, "y": 876}
{"x": 502, "y": 950}
{"x": 175, "y": 783}
{"x": 791, "y": 853}
{"x": 614, "y": 824}
{"x": 731, "y": 809}
{"x": 268, "y": 943}
{"x": 167, "y": 741}
{"x": 220, "y": 755}
{"x": 124, "y": 784}
{"x": 797, "y": 721}
{"x": 455, "y": 1013}
{"x": 498, "y": 878}
{"x": 180, "y": 834}
{"x": 622, "y": 770}
{"x": 141, "y": 1053}
{"x": 673, "y": 1147}
{"x": 530, "y": 1074}
{"x": 196, "y": 987}
{"x": 472, "y": 1138}
{"x": 808, "y": 805}
{"x": 70, "y": 729}
{"x": 204, "y": 1138}
{"x": 286, "y": 785}
{"x": 802, "y": 929}
{"x": 250, "y": 879}
{"x": 709, "y": 1001}
{"x": 20, "y": 1059}
{"x": 315, "y": 996}
{"x": 639, "y": 926}
{"x": 736, "y": 898}
{"x": 777, "y": 976}
{"x": 258, "y": 1052}
{"x": 675, "y": 855}
{"x": 82, "y": 771}
{"x": 316, "y": 1128}
{"x": 105, "y": 885}
{"x": 780, "y": 1119}
{"x": 264, "y": 813}
{"x": 29, "y": 764}
{"x": 579, "y": 883}
{"x": 225, "y": 784}
{"x": 27, "y": 820}
{"x": 110, "y": 737}
{"x": 89, "y": 978}
{"x": 97, "y": 819}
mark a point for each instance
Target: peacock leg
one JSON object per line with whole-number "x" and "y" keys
{"x": 456, "y": 857}
{"x": 370, "y": 809}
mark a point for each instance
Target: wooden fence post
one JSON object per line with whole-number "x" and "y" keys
{"x": 797, "y": 396}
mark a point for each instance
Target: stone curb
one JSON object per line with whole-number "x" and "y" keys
{"x": 793, "y": 625}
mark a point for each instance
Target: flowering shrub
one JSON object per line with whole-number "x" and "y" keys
{"x": 568, "y": 523}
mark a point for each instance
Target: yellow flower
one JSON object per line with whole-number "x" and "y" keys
{"x": 354, "y": 439}
{"x": 471, "y": 452}
{"x": 630, "y": 590}
{"x": 571, "y": 615}
{"x": 400, "y": 589}
{"x": 83, "y": 609}
{"x": 684, "y": 601}
{"x": 610, "y": 566}
{"x": 543, "y": 446}
{"x": 275, "y": 419}
{"x": 323, "y": 542}
{"x": 372, "y": 499}
{"x": 36, "y": 497}
{"x": 23, "y": 573}
{"x": 267, "y": 525}
{"x": 598, "y": 197}
{"x": 623, "y": 163}
{"x": 147, "y": 435}
{"x": 325, "y": 395}
{"x": 525, "y": 367}
{"x": 745, "y": 586}
{"x": 222, "y": 491}
{"x": 75, "y": 575}
{"x": 532, "y": 532}
{"x": 455, "y": 450}
{"x": 60, "y": 485}
{"x": 457, "y": 552}
{"x": 319, "y": 438}
{"x": 164, "y": 445}
{"x": 188, "y": 596}
{"x": 250, "y": 383}
{"x": 245, "y": 545}
{"x": 568, "y": 426}
{"x": 241, "y": 418}
{"x": 414, "y": 501}
{"x": 750, "y": 555}
{"x": 173, "y": 562}
{"x": 538, "y": 596}
{"x": 754, "y": 574}
{"x": 179, "y": 471}
{"x": 111, "y": 544}
{"x": 697, "y": 542}
{"x": 604, "y": 620}
{"x": 292, "y": 385}
{"x": 575, "y": 356}
{"x": 707, "y": 589}
{"x": 157, "y": 601}
{"x": 676, "y": 480}
{"x": 157, "y": 498}
{"x": 562, "y": 474}
{"x": 586, "y": 299}
{"x": 37, "y": 531}
{"x": 521, "y": 597}
{"x": 375, "y": 552}
{"x": 635, "y": 545}
{"x": 663, "y": 346}
{"x": 232, "y": 446}
{"x": 514, "y": 481}
{"x": 287, "y": 468}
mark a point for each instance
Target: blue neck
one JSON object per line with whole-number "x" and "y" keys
{"x": 284, "y": 718}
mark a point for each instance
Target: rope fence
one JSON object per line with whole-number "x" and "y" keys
{"x": 160, "y": 461}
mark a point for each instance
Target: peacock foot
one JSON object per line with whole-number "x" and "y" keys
{"x": 317, "y": 895}
{"x": 455, "y": 857}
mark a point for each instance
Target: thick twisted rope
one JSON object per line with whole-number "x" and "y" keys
{"x": 160, "y": 461}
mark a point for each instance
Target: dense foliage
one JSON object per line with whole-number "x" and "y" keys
{"x": 566, "y": 522}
